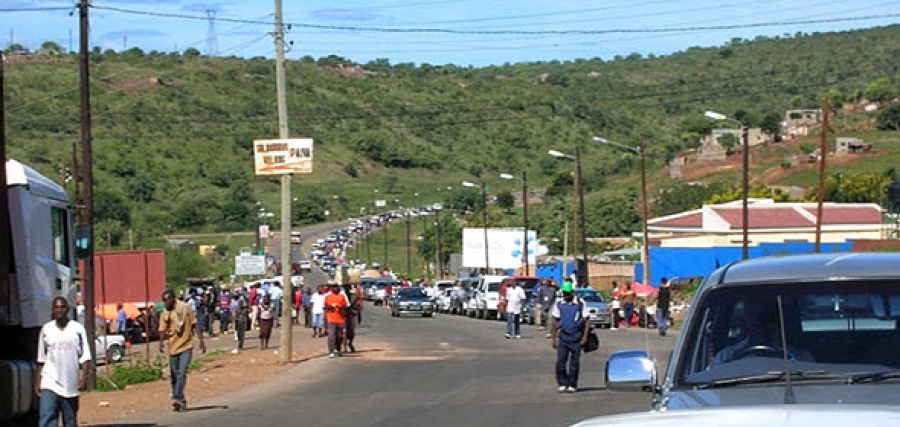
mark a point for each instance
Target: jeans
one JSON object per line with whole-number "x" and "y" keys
{"x": 178, "y": 367}
{"x": 224, "y": 320}
{"x": 335, "y": 332}
{"x": 662, "y": 320}
{"x": 629, "y": 312}
{"x": 512, "y": 324}
{"x": 53, "y": 405}
{"x": 567, "y": 353}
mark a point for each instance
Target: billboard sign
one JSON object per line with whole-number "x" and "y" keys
{"x": 249, "y": 265}
{"x": 283, "y": 156}
{"x": 505, "y": 247}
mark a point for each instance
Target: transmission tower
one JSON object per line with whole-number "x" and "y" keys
{"x": 212, "y": 39}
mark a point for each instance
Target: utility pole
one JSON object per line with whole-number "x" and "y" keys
{"x": 583, "y": 276}
{"x": 525, "y": 220}
{"x": 745, "y": 193}
{"x": 5, "y": 227}
{"x": 437, "y": 233}
{"x": 408, "y": 248}
{"x": 87, "y": 215}
{"x": 646, "y": 211}
{"x": 823, "y": 151}
{"x": 287, "y": 297}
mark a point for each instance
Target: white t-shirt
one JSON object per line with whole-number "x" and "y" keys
{"x": 515, "y": 299}
{"x": 62, "y": 351}
{"x": 318, "y": 303}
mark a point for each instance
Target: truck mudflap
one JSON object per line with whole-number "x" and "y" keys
{"x": 17, "y": 395}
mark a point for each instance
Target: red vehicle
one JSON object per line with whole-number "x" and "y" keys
{"x": 527, "y": 283}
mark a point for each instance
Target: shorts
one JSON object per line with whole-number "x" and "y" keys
{"x": 318, "y": 320}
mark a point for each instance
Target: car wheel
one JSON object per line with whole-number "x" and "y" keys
{"x": 115, "y": 354}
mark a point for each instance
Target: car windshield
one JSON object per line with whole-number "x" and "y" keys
{"x": 411, "y": 293}
{"x": 833, "y": 327}
{"x": 589, "y": 295}
{"x": 494, "y": 287}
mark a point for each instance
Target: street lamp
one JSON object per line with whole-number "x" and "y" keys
{"x": 745, "y": 176}
{"x": 642, "y": 151}
{"x": 579, "y": 192}
{"x": 259, "y": 216}
{"x": 437, "y": 233}
{"x": 484, "y": 224}
{"x": 524, "y": 217}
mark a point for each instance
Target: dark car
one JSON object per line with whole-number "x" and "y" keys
{"x": 412, "y": 300}
{"x": 811, "y": 330}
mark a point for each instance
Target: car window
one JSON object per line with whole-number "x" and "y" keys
{"x": 834, "y": 327}
{"x": 411, "y": 292}
{"x": 494, "y": 287}
{"x": 590, "y": 296}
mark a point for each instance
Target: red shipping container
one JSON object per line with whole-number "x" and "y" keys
{"x": 133, "y": 276}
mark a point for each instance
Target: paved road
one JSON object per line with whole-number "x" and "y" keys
{"x": 442, "y": 371}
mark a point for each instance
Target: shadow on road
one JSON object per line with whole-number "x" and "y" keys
{"x": 205, "y": 408}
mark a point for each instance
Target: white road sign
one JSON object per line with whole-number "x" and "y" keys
{"x": 249, "y": 265}
{"x": 283, "y": 156}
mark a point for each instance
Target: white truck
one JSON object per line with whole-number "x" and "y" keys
{"x": 39, "y": 250}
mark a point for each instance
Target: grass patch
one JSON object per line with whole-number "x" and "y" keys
{"x": 123, "y": 375}
{"x": 198, "y": 363}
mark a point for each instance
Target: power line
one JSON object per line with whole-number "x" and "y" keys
{"x": 511, "y": 32}
{"x": 34, "y": 9}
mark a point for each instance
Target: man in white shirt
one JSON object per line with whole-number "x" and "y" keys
{"x": 515, "y": 300}
{"x": 62, "y": 356}
{"x": 318, "y": 313}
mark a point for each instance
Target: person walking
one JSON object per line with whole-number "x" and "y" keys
{"x": 224, "y": 312}
{"x": 664, "y": 298}
{"x": 121, "y": 321}
{"x": 515, "y": 300}
{"x": 570, "y": 333}
{"x": 307, "y": 307}
{"x": 265, "y": 320}
{"x": 62, "y": 357}
{"x": 628, "y": 303}
{"x": 318, "y": 313}
{"x": 550, "y": 294}
{"x": 336, "y": 309}
{"x": 177, "y": 325}
{"x": 241, "y": 321}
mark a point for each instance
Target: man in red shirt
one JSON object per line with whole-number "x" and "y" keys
{"x": 335, "y": 308}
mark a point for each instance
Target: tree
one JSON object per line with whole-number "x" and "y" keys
{"x": 836, "y": 99}
{"x": 52, "y": 46}
{"x": 771, "y": 124}
{"x": 506, "y": 200}
{"x": 184, "y": 263}
{"x": 889, "y": 119}
{"x": 880, "y": 90}
{"x": 191, "y": 53}
{"x": 729, "y": 141}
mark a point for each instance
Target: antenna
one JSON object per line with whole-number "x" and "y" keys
{"x": 212, "y": 38}
{"x": 789, "y": 398}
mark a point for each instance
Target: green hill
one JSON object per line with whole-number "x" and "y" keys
{"x": 173, "y": 131}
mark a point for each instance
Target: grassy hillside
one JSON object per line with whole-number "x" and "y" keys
{"x": 173, "y": 132}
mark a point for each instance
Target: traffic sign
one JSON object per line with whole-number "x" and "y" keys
{"x": 249, "y": 265}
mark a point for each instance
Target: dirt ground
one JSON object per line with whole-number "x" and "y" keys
{"x": 221, "y": 374}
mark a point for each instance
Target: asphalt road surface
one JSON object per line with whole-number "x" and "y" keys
{"x": 441, "y": 371}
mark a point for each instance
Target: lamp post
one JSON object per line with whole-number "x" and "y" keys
{"x": 745, "y": 177}
{"x": 524, "y": 217}
{"x": 579, "y": 192}
{"x": 437, "y": 232}
{"x": 484, "y": 224}
{"x": 641, "y": 151}
{"x": 259, "y": 216}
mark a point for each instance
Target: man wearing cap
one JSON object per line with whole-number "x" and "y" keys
{"x": 569, "y": 334}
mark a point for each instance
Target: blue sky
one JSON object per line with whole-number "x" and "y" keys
{"x": 487, "y": 32}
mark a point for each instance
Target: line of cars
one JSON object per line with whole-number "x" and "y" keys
{"x": 480, "y": 297}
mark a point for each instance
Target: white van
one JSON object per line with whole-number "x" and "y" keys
{"x": 487, "y": 297}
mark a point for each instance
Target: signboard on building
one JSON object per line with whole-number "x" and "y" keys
{"x": 283, "y": 156}
{"x": 505, "y": 248}
{"x": 249, "y": 265}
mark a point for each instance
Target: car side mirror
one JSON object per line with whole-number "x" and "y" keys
{"x": 630, "y": 370}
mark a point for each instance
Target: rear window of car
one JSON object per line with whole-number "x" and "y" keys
{"x": 494, "y": 287}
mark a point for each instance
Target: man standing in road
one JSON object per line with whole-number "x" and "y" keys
{"x": 515, "y": 300}
{"x": 570, "y": 332}
{"x": 62, "y": 357}
{"x": 335, "y": 311}
{"x": 177, "y": 324}
{"x": 662, "y": 306}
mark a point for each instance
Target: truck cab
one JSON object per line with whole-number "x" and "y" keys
{"x": 41, "y": 269}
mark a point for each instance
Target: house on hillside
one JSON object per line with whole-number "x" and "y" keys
{"x": 799, "y": 122}
{"x": 769, "y": 222}
{"x": 755, "y": 135}
{"x": 846, "y": 145}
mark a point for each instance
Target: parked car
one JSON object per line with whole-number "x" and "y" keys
{"x": 445, "y": 300}
{"x": 109, "y": 348}
{"x": 595, "y": 308}
{"x": 305, "y": 265}
{"x": 487, "y": 297}
{"x": 796, "y": 340}
{"x": 412, "y": 300}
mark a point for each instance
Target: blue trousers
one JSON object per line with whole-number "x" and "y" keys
{"x": 568, "y": 355}
{"x": 178, "y": 367}
{"x": 53, "y": 405}
{"x": 512, "y": 324}
{"x": 662, "y": 320}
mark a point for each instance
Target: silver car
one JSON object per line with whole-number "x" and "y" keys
{"x": 816, "y": 332}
